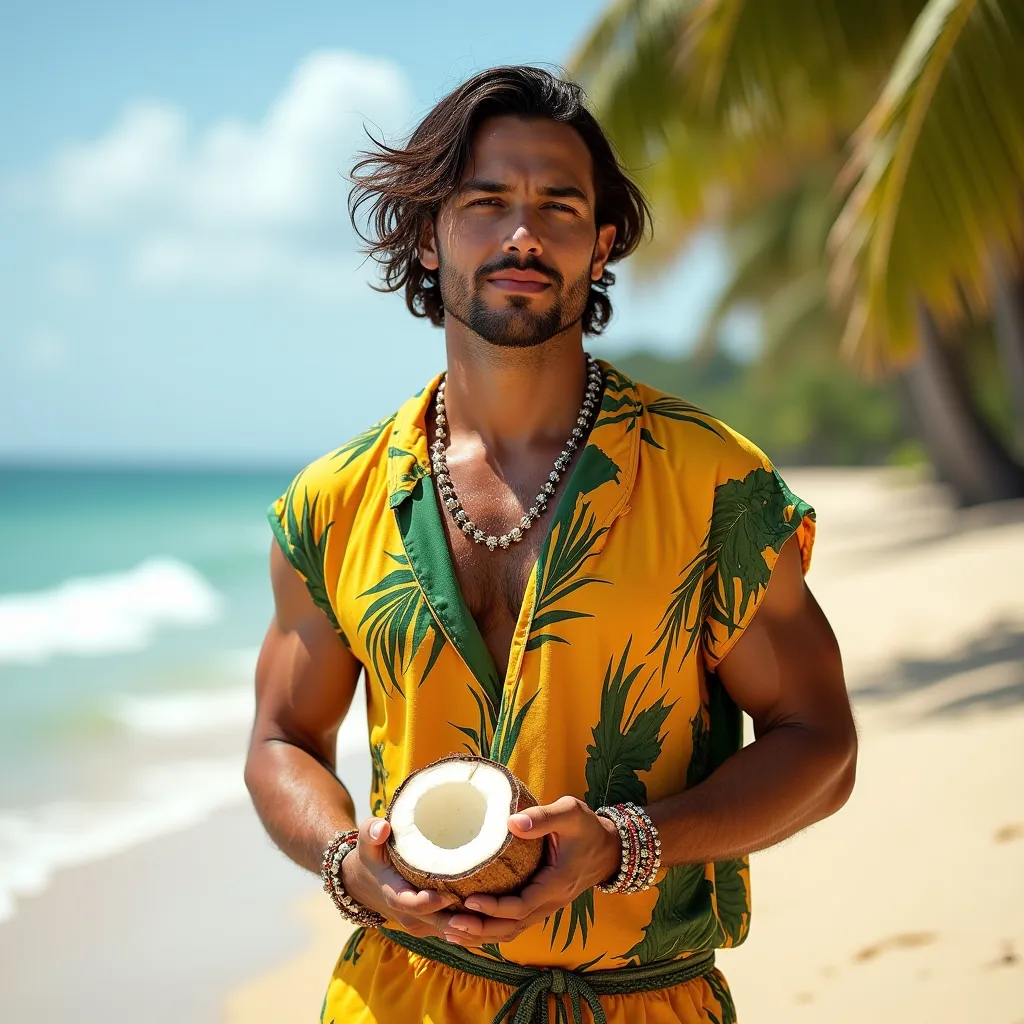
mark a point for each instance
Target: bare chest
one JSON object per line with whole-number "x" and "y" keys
{"x": 493, "y": 583}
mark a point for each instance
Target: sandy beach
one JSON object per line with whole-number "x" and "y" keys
{"x": 907, "y": 906}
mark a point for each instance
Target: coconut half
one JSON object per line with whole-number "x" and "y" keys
{"x": 449, "y": 828}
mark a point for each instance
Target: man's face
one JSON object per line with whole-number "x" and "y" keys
{"x": 516, "y": 246}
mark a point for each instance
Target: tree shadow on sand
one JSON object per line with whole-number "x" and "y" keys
{"x": 995, "y": 662}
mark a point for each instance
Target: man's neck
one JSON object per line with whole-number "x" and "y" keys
{"x": 514, "y": 399}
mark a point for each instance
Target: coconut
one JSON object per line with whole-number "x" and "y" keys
{"x": 449, "y": 828}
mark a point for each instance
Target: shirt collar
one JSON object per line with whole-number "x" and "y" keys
{"x": 616, "y": 435}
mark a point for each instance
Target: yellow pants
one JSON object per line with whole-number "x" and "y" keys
{"x": 376, "y": 981}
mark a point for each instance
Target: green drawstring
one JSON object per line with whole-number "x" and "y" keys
{"x": 528, "y": 1004}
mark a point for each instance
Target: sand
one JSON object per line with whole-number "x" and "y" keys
{"x": 906, "y": 906}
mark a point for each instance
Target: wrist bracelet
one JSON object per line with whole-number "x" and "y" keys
{"x": 330, "y": 872}
{"x": 641, "y": 849}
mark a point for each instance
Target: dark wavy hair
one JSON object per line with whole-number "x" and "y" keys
{"x": 403, "y": 187}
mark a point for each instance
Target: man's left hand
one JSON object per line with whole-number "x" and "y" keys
{"x": 583, "y": 849}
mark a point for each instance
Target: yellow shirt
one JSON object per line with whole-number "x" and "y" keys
{"x": 656, "y": 556}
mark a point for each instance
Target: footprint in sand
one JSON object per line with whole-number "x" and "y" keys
{"x": 905, "y": 940}
{"x": 1009, "y": 957}
{"x": 1008, "y": 833}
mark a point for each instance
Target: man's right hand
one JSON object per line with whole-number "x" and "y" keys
{"x": 369, "y": 877}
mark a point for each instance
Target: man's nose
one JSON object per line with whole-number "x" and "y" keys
{"x": 523, "y": 242}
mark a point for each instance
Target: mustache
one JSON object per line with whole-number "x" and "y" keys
{"x": 509, "y": 262}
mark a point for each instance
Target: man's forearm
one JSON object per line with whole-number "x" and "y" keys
{"x": 787, "y": 779}
{"x": 300, "y": 801}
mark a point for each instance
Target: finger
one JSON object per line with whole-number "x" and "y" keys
{"x": 543, "y": 887}
{"x": 421, "y": 901}
{"x": 492, "y": 929}
{"x": 373, "y": 834}
{"x": 564, "y": 816}
{"x": 393, "y": 886}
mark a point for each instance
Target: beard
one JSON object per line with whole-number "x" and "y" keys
{"x": 515, "y": 325}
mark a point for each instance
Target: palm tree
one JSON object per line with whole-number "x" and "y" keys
{"x": 724, "y": 105}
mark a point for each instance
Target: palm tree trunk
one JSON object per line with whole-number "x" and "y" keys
{"x": 966, "y": 453}
{"x": 1008, "y": 323}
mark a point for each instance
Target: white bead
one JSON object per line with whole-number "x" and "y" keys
{"x": 492, "y": 543}
{"x": 478, "y": 535}
{"x": 516, "y": 533}
{"x": 504, "y": 540}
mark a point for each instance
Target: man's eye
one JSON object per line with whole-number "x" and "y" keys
{"x": 562, "y": 207}
{"x": 485, "y": 202}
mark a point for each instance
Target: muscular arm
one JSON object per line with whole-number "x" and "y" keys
{"x": 785, "y": 671}
{"x": 305, "y": 680}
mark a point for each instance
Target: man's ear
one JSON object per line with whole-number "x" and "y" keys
{"x": 428, "y": 245}
{"x": 602, "y": 250}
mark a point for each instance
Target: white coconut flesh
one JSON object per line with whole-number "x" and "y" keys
{"x": 451, "y": 818}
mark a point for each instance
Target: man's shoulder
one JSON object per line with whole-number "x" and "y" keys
{"x": 339, "y": 468}
{"x": 681, "y": 427}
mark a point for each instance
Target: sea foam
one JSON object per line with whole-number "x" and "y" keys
{"x": 163, "y": 799}
{"x": 105, "y": 614}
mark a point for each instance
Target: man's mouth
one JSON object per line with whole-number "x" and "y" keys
{"x": 525, "y": 281}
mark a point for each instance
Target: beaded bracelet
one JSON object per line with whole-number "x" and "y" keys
{"x": 330, "y": 872}
{"x": 641, "y": 849}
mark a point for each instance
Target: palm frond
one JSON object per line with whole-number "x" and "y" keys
{"x": 938, "y": 164}
{"x": 802, "y": 68}
{"x": 362, "y": 443}
{"x": 625, "y": 744}
{"x": 398, "y": 609}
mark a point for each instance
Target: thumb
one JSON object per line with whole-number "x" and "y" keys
{"x": 563, "y": 817}
{"x": 374, "y": 833}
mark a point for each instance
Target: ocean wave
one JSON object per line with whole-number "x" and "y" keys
{"x": 189, "y": 713}
{"x": 164, "y": 799}
{"x": 107, "y": 614}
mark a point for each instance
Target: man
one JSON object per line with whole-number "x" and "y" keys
{"x": 541, "y": 561}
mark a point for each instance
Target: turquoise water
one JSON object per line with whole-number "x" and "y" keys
{"x": 132, "y": 604}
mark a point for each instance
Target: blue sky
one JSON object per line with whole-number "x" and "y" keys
{"x": 178, "y": 281}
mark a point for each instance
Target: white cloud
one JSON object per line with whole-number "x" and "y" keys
{"x": 236, "y": 204}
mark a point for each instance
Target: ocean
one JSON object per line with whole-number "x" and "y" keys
{"x": 132, "y": 607}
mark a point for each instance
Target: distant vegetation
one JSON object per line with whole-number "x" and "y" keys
{"x": 816, "y": 413}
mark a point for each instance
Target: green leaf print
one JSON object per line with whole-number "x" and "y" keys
{"x": 509, "y": 725}
{"x": 380, "y": 774}
{"x": 304, "y": 549}
{"x": 488, "y": 712}
{"x": 682, "y": 920}
{"x": 731, "y": 897}
{"x": 492, "y": 949}
{"x": 620, "y": 404}
{"x": 419, "y": 471}
{"x": 700, "y": 749}
{"x": 397, "y": 622}
{"x": 567, "y": 548}
{"x": 748, "y": 517}
{"x": 674, "y": 408}
{"x": 616, "y": 408}
{"x": 362, "y": 443}
{"x": 691, "y": 919}
{"x": 721, "y": 992}
{"x": 351, "y": 952}
{"x": 625, "y": 744}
